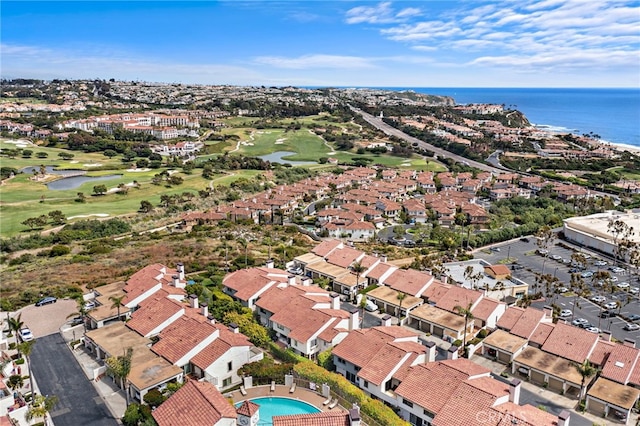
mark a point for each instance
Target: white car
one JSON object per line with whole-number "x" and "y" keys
{"x": 371, "y": 306}
{"x": 593, "y": 330}
{"x": 623, "y": 285}
{"x": 565, "y": 313}
{"x": 600, "y": 263}
{"x": 635, "y": 290}
{"x": 614, "y": 279}
{"x": 611, "y": 305}
{"x": 556, "y": 257}
{"x": 562, "y": 289}
{"x": 617, "y": 270}
{"x": 587, "y": 274}
{"x": 631, "y": 327}
{"x": 598, "y": 299}
{"x": 579, "y": 321}
{"x": 25, "y": 334}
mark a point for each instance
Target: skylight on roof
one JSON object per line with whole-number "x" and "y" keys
{"x": 619, "y": 364}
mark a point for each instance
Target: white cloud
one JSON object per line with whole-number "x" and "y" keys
{"x": 316, "y": 61}
{"x": 382, "y": 13}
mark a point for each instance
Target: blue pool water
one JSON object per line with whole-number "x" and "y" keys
{"x": 278, "y": 406}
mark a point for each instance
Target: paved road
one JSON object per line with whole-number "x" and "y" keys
{"x": 390, "y": 130}
{"x": 58, "y": 373}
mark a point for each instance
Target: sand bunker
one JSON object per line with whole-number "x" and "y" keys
{"x": 92, "y": 165}
{"x": 81, "y": 216}
{"x": 137, "y": 170}
{"x": 280, "y": 141}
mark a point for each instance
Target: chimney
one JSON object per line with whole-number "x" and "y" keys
{"x": 211, "y": 319}
{"x": 234, "y": 328}
{"x": 452, "y": 353}
{"x": 291, "y": 279}
{"x": 430, "y": 351}
{"x": 269, "y": 264}
{"x": 514, "y": 391}
{"x": 193, "y": 301}
{"x": 385, "y": 320}
{"x": 176, "y": 281}
{"x": 180, "y": 269}
{"x": 335, "y": 301}
{"x": 306, "y": 281}
{"x": 444, "y": 279}
{"x": 383, "y": 259}
{"x": 606, "y": 335}
{"x": 548, "y": 312}
{"x": 354, "y": 416}
{"x": 630, "y": 342}
{"x": 563, "y": 418}
{"x": 205, "y": 310}
{"x": 354, "y": 319}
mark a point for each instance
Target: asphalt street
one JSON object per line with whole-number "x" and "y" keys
{"x": 58, "y": 373}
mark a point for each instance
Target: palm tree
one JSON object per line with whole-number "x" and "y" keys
{"x": 245, "y": 245}
{"x": 82, "y": 312}
{"x": 26, "y": 348}
{"x": 119, "y": 367}
{"x": 400, "y": 296}
{"x": 15, "y": 382}
{"x": 40, "y": 407}
{"x": 586, "y": 370}
{"x": 15, "y": 324}
{"x": 117, "y": 303}
{"x": 358, "y": 268}
{"x": 468, "y": 315}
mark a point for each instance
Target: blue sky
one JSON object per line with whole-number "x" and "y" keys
{"x": 520, "y": 43}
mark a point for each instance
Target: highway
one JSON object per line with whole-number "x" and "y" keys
{"x": 392, "y": 131}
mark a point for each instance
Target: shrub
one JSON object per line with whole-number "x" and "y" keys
{"x": 20, "y": 361}
{"x": 483, "y": 333}
{"x": 59, "y": 250}
{"x": 154, "y": 398}
{"x": 375, "y": 409}
{"x": 325, "y": 360}
{"x": 457, "y": 343}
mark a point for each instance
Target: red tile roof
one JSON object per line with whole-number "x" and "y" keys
{"x": 326, "y": 247}
{"x": 525, "y": 415}
{"x": 248, "y": 408}
{"x": 153, "y": 312}
{"x": 409, "y": 281}
{"x": 570, "y": 342}
{"x": 181, "y": 337}
{"x": 541, "y": 333}
{"x": 601, "y": 352}
{"x": 327, "y": 418}
{"x": 485, "y": 308}
{"x": 344, "y": 257}
{"x": 194, "y": 404}
{"x": 510, "y": 317}
{"x": 621, "y": 363}
{"x": 527, "y": 323}
{"x": 248, "y": 282}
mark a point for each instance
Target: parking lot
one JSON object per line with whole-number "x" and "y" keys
{"x": 524, "y": 253}
{"x": 47, "y": 319}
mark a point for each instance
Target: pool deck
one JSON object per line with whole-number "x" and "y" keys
{"x": 300, "y": 393}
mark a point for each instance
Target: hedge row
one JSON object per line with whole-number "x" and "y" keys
{"x": 375, "y": 409}
{"x": 285, "y": 355}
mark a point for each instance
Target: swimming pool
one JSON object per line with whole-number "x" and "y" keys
{"x": 278, "y": 406}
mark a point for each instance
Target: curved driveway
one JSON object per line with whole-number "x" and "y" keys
{"x": 58, "y": 373}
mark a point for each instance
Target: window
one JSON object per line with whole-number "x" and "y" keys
{"x": 407, "y": 403}
{"x": 351, "y": 377}
{"x": 365, "y": 384}
{"x": 230, "y": 366}
{"x": 226, "y": 382}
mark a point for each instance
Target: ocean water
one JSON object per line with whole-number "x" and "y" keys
{"x": 613, "y": 114}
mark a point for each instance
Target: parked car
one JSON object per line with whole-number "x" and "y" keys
{"x": 593, "y": 330}
{"x": 371, "y": 306}
{"x": 562, "y": 289}
{"x": 496, "y": 249}
{"x": 46, "y": 301}
{"x": 611, "y": 305}
{"x": 600, "y": 263}
{"x": 542, "y": 252}
{"x": 633, "y": 317}
{"x": 565, "y": 313}
{"x": 623, "y": 285}
{"x": 617, "y": 270}
{"x": 634, "y": 290}
{"x": 614, "y": 279}
{"x": 76, "y": 321}
{"x": 598, "y": 299}
{"x": 586, "y": 325}
{"x": 578, "y": 321}
{"x": 516, "y": 267}
{"x": 556, "y": 257}
{"x": 631, "y": 326}
{"x": 586, "y": 274}
{"x": 25, "y": 334}
{"x": 607, "y": 314}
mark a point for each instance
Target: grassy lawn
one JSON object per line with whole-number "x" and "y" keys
{"x": 629, "y": 174}
{"x": 80, "y": 159}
